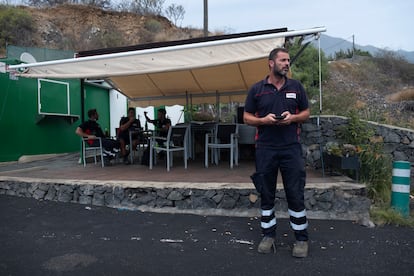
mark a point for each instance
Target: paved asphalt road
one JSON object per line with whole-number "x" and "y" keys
{"x": 51, "y": 238}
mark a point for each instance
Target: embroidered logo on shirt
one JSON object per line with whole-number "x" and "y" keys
{"x": 290, "y": 95}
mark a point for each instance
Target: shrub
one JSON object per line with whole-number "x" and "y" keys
{"x": 395, "y": 65}
{"x": 376, "y": 166}
{"x": 355, "y": 132}
{"x": 16, "y": 26}
{"x": 153, "y": 25}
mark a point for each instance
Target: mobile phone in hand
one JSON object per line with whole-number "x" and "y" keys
{"x": 279, "y": 117}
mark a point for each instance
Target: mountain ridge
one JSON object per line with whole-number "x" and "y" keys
{"x": 330, "y": 45}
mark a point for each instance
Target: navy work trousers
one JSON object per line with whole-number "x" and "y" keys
{"x": 290, "y": 162}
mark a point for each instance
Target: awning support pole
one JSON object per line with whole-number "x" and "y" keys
{"x": 82, "y": 100}
{"x": 218, "y": 107}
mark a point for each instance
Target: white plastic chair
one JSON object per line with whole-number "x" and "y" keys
{"x": 225, "y": 136}
{"x": 97, "y": 150}
{"x": 176, "y": 140}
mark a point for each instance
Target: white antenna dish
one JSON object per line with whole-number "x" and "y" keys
{"x": 27, "y": 58}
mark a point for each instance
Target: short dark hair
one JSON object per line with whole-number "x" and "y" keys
{"x": 131, "y": 108}
{"x": 91, "y": 112}
{"x": 162, "y": 110}
{"x": 275, "y": 51}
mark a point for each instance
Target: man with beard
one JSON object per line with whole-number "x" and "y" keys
{"x": 91, "y": 129}
{"x": 277, "y": 106}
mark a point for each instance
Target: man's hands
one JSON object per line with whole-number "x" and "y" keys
{"x": 283, "y": 119}
{"x": 270, "y": 119}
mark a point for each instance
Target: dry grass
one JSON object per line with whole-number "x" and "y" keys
{"x": 384, "y": 215}
{"x": 406, "y": 94}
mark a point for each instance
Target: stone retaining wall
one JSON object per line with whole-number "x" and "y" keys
{"x": 398, "y": 142}
{"x": 333, "y": 202}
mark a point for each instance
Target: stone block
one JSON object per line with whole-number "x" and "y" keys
{"x": 359, "y": 204}
{"x": 246, "y": 192}
{"x": 99, "y": 189}
{"x": 310, "y": 202}
{"x": 33, "y": 188}
{"x": 405, "y": 140}
{"x": 111, "y": 199}
{"x": 163, "y": 193}
{"x": 324, "y": 206}
{"x": 119, "y": 192}
{"x": 203, "y": 203}
{"x": 325, "y": 197}
{"x": 399, "y": 155}
{"x": 187, "y": 192}
{"x": 340, "y": 205}
{"x": 218, "y": 197}
{"x": 21, "y": 190}
{"x": 143, "y": 199}
{"x": 87, "y": 190}
{"x": 253, "y": 198}
{"x": 10, "y": 192}
{"x": 84, "y": 199}
{"x": 66, "y": 188}
{"x": 51, "y": 193}
{"x": 228, "y": 202}
{"x": 75, "y": 197}
{"x": 39, "y": 194}
{"x": 98, "y": 199}
{"x": 162, "y": 202}
{"x": 210, "y": 193}
{"x": 183, "y": 204}
{"x": 243, "y": 202}
{"x": 309, "y": 194}
{"x": 44, "y": 186}
{"x": 175, "y": 196}
{"x": 392, "y": 137}
{"x": 64, "y": 196}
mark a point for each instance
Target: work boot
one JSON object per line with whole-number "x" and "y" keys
{"x": 266, "y": 245}
{"x": 300, "y": 249}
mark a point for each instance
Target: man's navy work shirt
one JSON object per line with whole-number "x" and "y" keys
{"x": 264, "y": 98}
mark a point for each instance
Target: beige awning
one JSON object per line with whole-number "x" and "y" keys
{"x": 190, "y": 71}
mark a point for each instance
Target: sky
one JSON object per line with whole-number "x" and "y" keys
{"x": 383, "y": 24}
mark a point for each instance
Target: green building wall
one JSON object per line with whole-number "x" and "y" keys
{"x": 24, "y": 132}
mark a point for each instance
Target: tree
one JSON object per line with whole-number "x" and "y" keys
{"x": 175, "y": 13}
{"x": 44, "y": 3}
{"x": 306, "y": 69}
{"x": 341, "y": 54}
{"x": 104, "y": 4}
{"x": 144, "y": 7}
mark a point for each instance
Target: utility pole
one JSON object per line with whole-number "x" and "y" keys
{"x": 353, "y": 46}
{"x": 205, "y": 18}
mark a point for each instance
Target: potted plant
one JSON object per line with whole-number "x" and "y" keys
{"x": 342, "y": 156}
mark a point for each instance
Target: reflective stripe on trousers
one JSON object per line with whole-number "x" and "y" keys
{"x": 268, "y": 222}
{"x": 298, "y": 220}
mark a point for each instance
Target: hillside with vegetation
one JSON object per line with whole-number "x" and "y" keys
{"x": 84, "y": 27}
{"x": 380, "y": 88}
